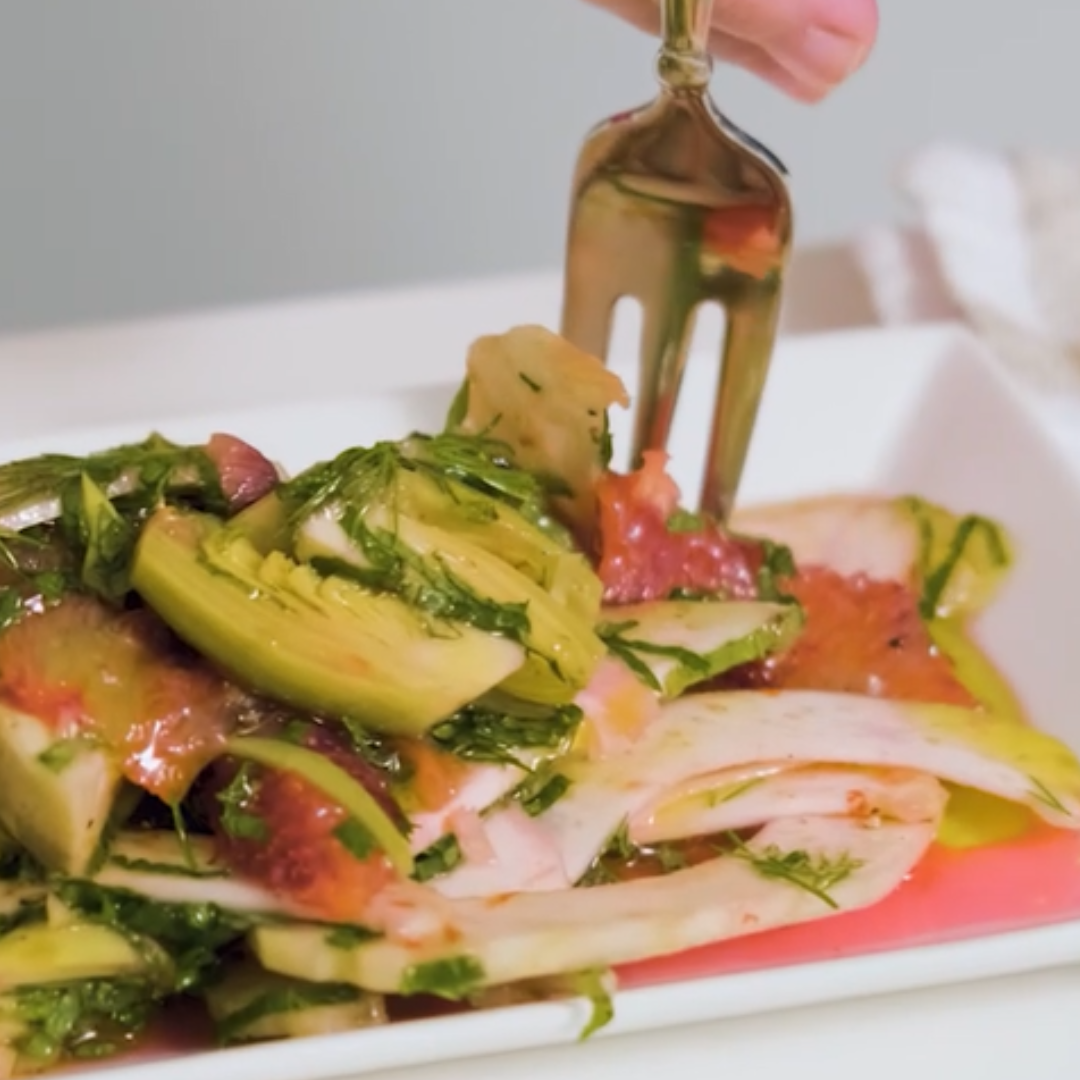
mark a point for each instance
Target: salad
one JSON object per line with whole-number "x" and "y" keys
{"x": 469, "y": 717}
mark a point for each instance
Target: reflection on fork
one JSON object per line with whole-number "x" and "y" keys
{"x": 675, "y": 207}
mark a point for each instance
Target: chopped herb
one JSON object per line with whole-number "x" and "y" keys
{"x": 149, "y": 866}
{"x": 57, "y": 757}
{"x": 92, "y": 1018}
{"x": 685, "y": 521}
{"x": 293, "y": 997}
{"x": 439, "y": 858}
{"x": 176, "y": 813}
{"x": 604, "y": 443}
{"x": 540, "y": 792}
{"x": 617, "y": 851}
{"x": 297, "y": 731}
{"x": 530, "y": 383}
{"x": 338, "y": 785}
{"x": 426, "y": 583}
{"x": 592, "y": 984}
{"x": 777, "y": 564}
{"x": 11, "y": 607}
{"x": 453, "y": 978}
{"x": 18, "y": 866}
{"x": 355, "y": 838}
{"x": 350, "y": 936}
{"x": 800, "y": 868}
{"x": 628, "y": 650}
{"x": 1043, "y": 794}
{"x": 360, "y": 477}
{"x": 459, "y": 407}
{"x": 377, "y": 751}
{"x": 31, "y": 593}
{"x": 968, "y": 530}
{"x": 494, "y": 733}
{"x": 731, "y": 791}
{"x": 194, "y": 935}
{"x": 109, "y": 541}
{"x": 99, "y": 502}
{"x": 50, "y": 585}
{"x": 669, "y": 856}
{"x": 237, "y": 799}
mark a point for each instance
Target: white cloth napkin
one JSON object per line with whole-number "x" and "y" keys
{"x": 996, "y": 244}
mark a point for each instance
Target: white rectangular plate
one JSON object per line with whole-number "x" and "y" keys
{"x": 891, "y": 412}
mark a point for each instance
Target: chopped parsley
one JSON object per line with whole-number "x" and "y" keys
{"x": 355, "y": 838}
{"x": 497, "y": 734}
{"x": 237, "y": 799}
{"x": 453, "y": 978}
{"x": 92, "y": 1018}
{"x": 62, "y": 753}
{"x": 630, "y": 651}
{"x": 540, "y": 792}
{"x": 150, "y": 866}
{"x": 1043, "y": 794}
{"x": 291, "y": 997}
{"x": 439, "y": 858}
{"x": 350, "y": 936}
{"x": 194, "y": 935}
{"x": 814, "y": 874}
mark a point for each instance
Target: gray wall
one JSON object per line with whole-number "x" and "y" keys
{"x": 158, "y": 155}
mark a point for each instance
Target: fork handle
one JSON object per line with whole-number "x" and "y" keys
{"x": 684, "y": 62}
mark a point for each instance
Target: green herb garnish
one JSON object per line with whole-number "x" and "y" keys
{"x": 498, "y": 733}
{"x": 1043, "y": 794}
{"x": 453, "y": 978}
{"x": 356, "y": 839}
{"x": 814, "y": 874}
{"x": 350, "y": 936}
{"x": 93, "y": 1018}
{"x": 237, "y": 799}
{"x": 439, "y": 858}
{"x": 540, "y": 792}
{"x": 62, "y": 753}
{"x": 165, "y": 869}
{"x": 630, "y": 651}
{"x": 294, "y": 997}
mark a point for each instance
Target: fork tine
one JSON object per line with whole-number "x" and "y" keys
{"x": 747, "y": 351}
{"x": 587, "y": 316}
{"x": 674, "y": 206}
{"x": 666, "y": 331}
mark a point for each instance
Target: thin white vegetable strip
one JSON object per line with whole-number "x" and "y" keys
{"x": 523, "y": 858}
{"x": 724, "y": 802}
{"x": 704, "y": 733}
{"x": 478, "y": 787}
{"x": 719, "y": 634}
{"x": 851, "y": 534}
{"x": 534, "y": 934}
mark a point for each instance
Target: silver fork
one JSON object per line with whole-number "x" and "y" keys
{"x": 675, "y": 206}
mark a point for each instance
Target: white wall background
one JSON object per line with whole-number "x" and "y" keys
{"x": 158, "y": 155}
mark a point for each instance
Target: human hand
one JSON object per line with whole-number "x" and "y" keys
{"x": 806, "y": 48}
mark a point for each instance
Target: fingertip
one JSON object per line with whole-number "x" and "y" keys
{"x": 809, "y": 90}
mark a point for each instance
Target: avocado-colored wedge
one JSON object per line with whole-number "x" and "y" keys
{"x": 319, "y": 642}
{"x": 40, "y": 953}
{"x": 56, "y": 806}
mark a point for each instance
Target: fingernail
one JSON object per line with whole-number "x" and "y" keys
{"x": 824, "y": 56}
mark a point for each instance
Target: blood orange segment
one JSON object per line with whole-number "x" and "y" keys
{"x": 84, "y": 668}
{"x": 862, "y": 636}
{"x": 648, "y": 551}
{"x": 278, "y": 829}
